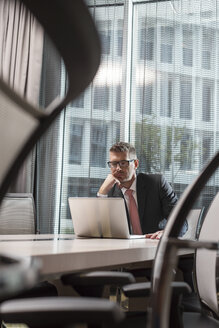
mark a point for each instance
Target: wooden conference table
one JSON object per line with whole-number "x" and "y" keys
{"x": 64, "y": 253}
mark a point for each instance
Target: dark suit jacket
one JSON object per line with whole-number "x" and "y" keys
{"x": 156, "y": 199}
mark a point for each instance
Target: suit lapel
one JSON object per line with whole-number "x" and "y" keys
{"x": 117, "y": 192}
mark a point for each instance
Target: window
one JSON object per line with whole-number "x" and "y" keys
{"x": 207, "y": 101}
{"x": 147, "y": 43}
{"x": 187, "y": 46}
{"x": 186, "y": 148}
{"x": 146, "y": 99}
{"x": 208, "y": 47}
{"x": 78, "y": 102}
{"x": 206, "y": 149}
{"x": 119, "y": 42}
{"x": 117, "y": 132}
{"x": 98, "y": 146}
{"x": 206, "y": 59}
{"x": 75, "y": 143}
{"x": 166, "y": 97}
{"x": 105, "y": 42}
{"x": 167, "y": 38}
{"x": 105, "y": 34}
{"x": 78, "y": 189}
{"x": 75, "y": 188}
{"x": 187, "y": 57}
{"x": 166, "y": 53}
{"x": 186, "y": 99}
{"x": 166, "y": 65}
{"x": 101, "y": 97}
{"x": 118, "y": 98}
{"x": 148, "y": 145}
{"x": 168, "y": 153}
{"x": 94, "y": 186}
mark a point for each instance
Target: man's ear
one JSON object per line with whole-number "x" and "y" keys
{"x": 136, "y": 162}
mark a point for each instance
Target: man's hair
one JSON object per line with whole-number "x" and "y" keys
{"x": 123, "y": 147}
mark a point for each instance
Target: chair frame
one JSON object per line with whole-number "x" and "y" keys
{"x": 166, "y": 261}
{"x": 81, "y": 58}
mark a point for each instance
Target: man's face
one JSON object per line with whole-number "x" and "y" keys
{"x": 123, "y": 174}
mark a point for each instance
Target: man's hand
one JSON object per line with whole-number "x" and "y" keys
{"x": 155, "y": 235}
{"x": 108, "y": 184}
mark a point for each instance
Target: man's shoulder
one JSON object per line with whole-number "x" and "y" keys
{"x": 153, "y": 177}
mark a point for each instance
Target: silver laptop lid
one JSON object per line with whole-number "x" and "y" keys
{"x": 99, "y": 217}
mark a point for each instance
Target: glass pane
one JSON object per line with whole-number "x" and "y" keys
{"x": 93, "y": 120}
{"x": 173, "y": 84}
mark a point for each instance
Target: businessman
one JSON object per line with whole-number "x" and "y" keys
{"x": 149, "y": 197}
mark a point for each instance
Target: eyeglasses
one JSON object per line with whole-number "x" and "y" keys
{"x": 122, "y": 164}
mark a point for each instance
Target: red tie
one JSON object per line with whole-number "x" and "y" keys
{"x": 133, "y": 212}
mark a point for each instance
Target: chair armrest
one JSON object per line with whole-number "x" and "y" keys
{"x": 17, "y": 274}
{"x": 61, "y": 311}
{"x": 180, "y": 288}
{"x": 141, "y": 289}
{"x": 98, "y": 278}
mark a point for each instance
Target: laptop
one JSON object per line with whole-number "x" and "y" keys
{"x": 100, "y": 217}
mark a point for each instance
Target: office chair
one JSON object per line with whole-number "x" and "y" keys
{"x": 17, "y": 214}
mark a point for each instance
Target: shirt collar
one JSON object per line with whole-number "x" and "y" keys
{"x": 133, "y": 187}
